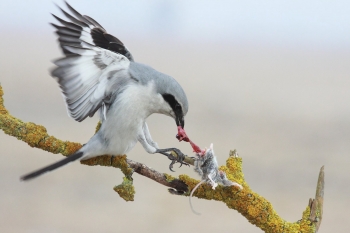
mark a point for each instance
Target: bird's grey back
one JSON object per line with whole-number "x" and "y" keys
{"x": 165, "y": 84}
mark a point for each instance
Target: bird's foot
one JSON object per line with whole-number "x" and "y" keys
{"x": 176, "y": 192}
{"x": 175, "y": 155}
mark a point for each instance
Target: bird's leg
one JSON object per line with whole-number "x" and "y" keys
{"x": 180, "y": 156}
{"x": 148, "y": 136}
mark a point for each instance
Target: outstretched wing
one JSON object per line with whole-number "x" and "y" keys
{"x": 89, "y": 75}
{"x": 84, "y": 28}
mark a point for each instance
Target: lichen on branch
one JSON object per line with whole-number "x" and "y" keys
{"x": 256, "y": 209}
{"x": 34, "y": 135}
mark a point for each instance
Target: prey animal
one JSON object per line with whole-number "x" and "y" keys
{"x": 206, "y": 165}
{"x": 98, "y": 74}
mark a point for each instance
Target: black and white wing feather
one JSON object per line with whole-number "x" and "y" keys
{"x": 91, "y": 72}
{"x": 84, "y": 28}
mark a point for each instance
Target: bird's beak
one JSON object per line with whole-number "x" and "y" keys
{"x": 179, "y": 119}
{"x": 180, "y": 122}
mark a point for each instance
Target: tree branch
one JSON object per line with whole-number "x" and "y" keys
{"x": 256, "y": 209}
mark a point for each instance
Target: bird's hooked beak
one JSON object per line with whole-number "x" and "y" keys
{"x": 181, "y": 133}
{"x": 179, "y": 119}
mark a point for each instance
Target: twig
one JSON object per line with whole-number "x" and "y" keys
{"x": 316, "y": 205}
{"x": 140, "y": 168}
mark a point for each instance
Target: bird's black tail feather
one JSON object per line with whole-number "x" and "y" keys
{"x": 51, "y": 167}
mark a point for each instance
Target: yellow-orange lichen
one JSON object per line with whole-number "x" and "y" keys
{"x": 255, "y": 208}
{"x": 34, "y": 135}
{"x": 125, "y": 190}
{"x": 110, "y": 161}
{"x": 252, "y": 206}
{"x": 98, "y": 126}
{"x": 168, "y": 177}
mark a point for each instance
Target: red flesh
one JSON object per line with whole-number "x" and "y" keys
{"x": 182, "y": 136}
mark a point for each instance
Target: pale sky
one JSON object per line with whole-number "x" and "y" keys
{"x": 319, "y": 24}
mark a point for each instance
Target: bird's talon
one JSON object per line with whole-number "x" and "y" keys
{"x": 171, "y": 165}
{"x": 178, "y": 159}
{"x": 175, "y": 155}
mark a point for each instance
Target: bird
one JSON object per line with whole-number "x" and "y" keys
{"x": 99, "y": 74}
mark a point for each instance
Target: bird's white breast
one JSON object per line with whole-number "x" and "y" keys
{"x": 125, "y": 117}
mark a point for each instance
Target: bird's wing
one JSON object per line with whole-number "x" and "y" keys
{"x": 82, "y": 28}
{"x": 89, "y": 77}
{"x": 94, "y": 68}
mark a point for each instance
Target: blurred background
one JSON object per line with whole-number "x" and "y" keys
{"x": 268, "y": 78}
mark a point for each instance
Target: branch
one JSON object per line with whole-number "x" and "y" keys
{"x": 256, "y": 209}
{"x": 316, "y": 205}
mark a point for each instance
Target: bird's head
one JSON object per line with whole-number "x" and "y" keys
{"x": 177, "y": 106}
{"x": 178, "y": 112}
{"x": 174, "y": 102}
{"x": 176, "y": 109}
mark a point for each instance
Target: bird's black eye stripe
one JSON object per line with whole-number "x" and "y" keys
{"x": 176, "y": 107}
{"x": 172, "y": 102}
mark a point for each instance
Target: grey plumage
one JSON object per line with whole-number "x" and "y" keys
{"x": 98, "y": 73}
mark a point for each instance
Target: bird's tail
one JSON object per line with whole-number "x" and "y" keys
{"x": 77, "y": 155}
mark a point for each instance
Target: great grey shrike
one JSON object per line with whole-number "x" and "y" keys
{"x": 98, "y": 73}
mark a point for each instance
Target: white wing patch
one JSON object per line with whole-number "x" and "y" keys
{"x": 85, "y": 79}
{"x": 94, "y": 67}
